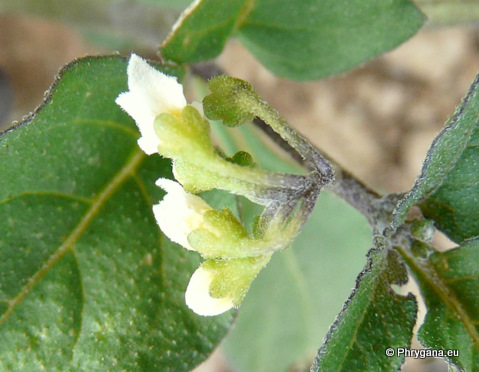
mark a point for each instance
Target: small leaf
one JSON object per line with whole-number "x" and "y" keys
{"x": 373, "y": 319}
{"x": 448, "y": 186}
{"x": 87, "y": 280}
{"x": 299, "y": 40}
{"x": 310, "y": 39}
{"x": 449, "y": 283}
{"x": 202, "y": 30}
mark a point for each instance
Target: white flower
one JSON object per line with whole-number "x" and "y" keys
{"x": 198, "y": 296}
{"x": 179, "y": 213}
{"x": 151, "y": 93}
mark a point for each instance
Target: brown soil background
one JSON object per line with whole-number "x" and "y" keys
{"x": 377, "y": 121}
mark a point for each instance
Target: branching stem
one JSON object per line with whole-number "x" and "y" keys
{"x": 375, "y": 207}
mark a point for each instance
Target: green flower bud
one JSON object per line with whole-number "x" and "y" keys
{"x": 229, "y": 100}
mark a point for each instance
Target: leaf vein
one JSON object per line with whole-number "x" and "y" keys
{"x": 361, "y": 319}
{"x": 47, "y": 193}
{"x": 108, "y": 123}
{"x": 69, "y": 242}
{"x": 437, "y": 283}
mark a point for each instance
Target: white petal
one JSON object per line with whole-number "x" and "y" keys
{"x": 198, "y": 297}
{"x": 170, "y": 186}
{"x": 151, "y": 93}
{"x": 162, "y": 93}
{"x": 144, "y": 119}
{"x": 179, "y": 213}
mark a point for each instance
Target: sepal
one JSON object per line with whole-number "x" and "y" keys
{"x": 185, "y": 136}
{"x": 219, "y": 285}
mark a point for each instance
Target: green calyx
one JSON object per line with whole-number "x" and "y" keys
{"x": 222, "y": 237}
{"x": 185, "y": 136}
{"x": 217, "y": 173}
{"x": 232, "y": 278}
{"x": 198, "y": 165}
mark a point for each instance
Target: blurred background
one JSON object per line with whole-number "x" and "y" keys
{"x": 378, "y": 121}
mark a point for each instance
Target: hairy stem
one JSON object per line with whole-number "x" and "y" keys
{"x": 312, "y": 158}
{"x": 376, "y": 208}
{"x": 367, "y": 201}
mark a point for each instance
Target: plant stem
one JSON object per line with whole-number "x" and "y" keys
{"x": 312, "y": 158}
{"x": 367, "y": 201}
{"x": 376, "y": 208}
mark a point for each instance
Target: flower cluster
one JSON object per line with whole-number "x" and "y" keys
{"x": 223, "y": 279}
{"x": 233, "y": 257}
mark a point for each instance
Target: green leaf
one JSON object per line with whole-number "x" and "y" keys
{"x": 448, "y": 186}
{"x": 203, "y": 30}
{"x": 87, "y": 280}
{"x": 449, "y": 283}
{"x": 311, "y": 39}
{"x": 299, "y": 40}
{"x": 116, "y": 23}
{"x": 373, "y": 319}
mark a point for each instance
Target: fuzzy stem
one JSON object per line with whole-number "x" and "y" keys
{"x": 368, "y": 202}
{"x": 312, "y": 158}
{"x": 345, "y": 186}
